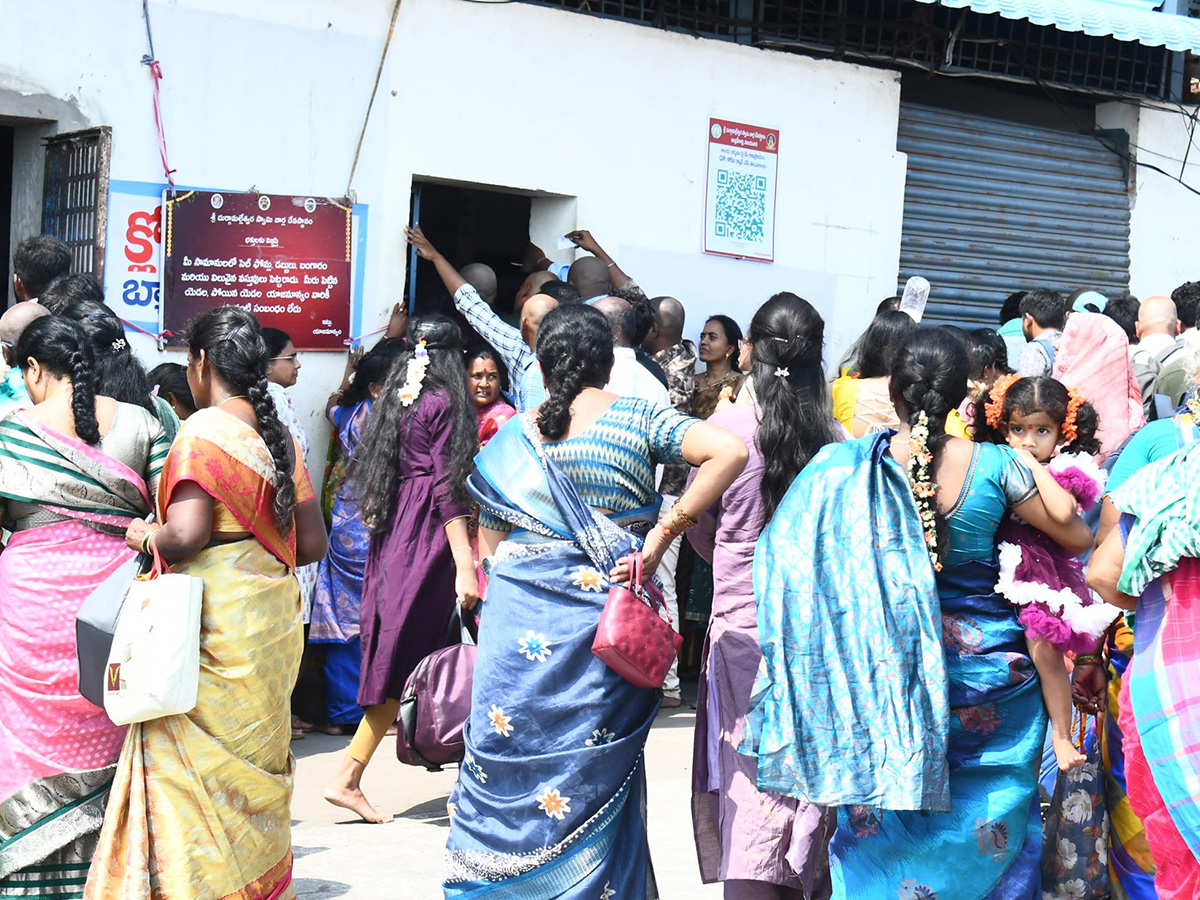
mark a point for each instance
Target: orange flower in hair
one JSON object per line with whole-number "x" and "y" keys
{"x": 994, "y": 408}
{"x": 1070, "y": 425}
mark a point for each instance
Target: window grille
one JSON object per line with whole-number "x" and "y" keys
{"x": 904, "y": 32}
{"x": 75, "y": 195}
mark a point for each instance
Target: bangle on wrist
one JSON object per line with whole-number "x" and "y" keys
{"x": 148, "y": 542}
{"x": 1084, "y": 659}
{"x": 544, "y": 259}
{"x": 684, "y": 520}
{"x": 460, "y": 547}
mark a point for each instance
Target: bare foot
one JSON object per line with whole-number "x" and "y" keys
{"x": 1068, "y": 756}
{"x": 354, "y": 800}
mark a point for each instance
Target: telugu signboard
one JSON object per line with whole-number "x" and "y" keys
{"x": 285, "y": 259}
{"x": 739, "y": 201}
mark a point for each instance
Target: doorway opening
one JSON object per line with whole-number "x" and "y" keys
{"x": 469, "y": 224}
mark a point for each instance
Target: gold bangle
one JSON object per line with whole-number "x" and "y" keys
{"x": 684, "y": 519}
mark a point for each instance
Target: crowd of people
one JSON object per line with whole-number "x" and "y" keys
{"x": 909, "y": 592}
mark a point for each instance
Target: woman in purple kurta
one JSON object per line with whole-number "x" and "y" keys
{"x": 408, "y": 585}
{"x": 761, "y": 845}
{"x": 410, "y": 471}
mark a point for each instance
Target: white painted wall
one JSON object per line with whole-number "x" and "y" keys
{"x": 617, "y": 116}
{"x": 1162, "y": 247}
{"x": 271, "y": 95}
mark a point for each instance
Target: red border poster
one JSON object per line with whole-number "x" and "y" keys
{"x": 739, "y": 198}
{"x": 286, "y": 259}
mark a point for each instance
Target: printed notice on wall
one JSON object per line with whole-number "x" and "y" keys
{"x": 285, "y": 259}
{"x": 739, "y": 202}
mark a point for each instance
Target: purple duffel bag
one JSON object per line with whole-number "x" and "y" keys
{"x": 437, "y": 703}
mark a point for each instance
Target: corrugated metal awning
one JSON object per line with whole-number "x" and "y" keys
{"x": 1125, "y": 20}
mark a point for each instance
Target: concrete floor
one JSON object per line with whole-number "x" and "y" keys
{"x": 402, "y": 860}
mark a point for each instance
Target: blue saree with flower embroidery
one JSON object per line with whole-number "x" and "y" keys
{"x": 551, "y": 797}
{"x": 847, "y": 522}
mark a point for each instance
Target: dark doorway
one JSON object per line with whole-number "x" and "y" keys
{"x": 469, "y": 224}
{"x": 6, "y": 192}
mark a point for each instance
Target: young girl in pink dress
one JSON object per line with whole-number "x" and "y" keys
{"x": 1054, "y": 430}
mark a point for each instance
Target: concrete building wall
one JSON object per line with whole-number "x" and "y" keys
{"x": 608, "y": 118}
{"x": 1162, "y": 245}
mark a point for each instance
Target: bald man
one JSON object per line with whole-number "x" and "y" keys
{"x": 523, "y": 372}
{"x": 1158, "y": 344}
{"x": 1157, "y": 324}
{"x": 532, "y": 284}
{"x": 589, "y": 276}
{"x": 484, "y": 279}
{"x": 532, "y": 313}
{"x": 13, "y": 395}
{"x": 593, "y": 276}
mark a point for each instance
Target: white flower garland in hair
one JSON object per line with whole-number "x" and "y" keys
{"x": 923, "y": 486}
{"x": 415, "y": 375}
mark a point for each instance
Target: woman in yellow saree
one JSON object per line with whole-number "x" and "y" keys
{"x": 200, "y": 805}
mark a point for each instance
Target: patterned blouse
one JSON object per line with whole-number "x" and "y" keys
{"x": 613, "y": 462}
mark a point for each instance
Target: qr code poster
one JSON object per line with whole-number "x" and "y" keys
{"x": 739, "y": 205}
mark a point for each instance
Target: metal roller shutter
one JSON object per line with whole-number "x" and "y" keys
{"x": 992, "y": 207}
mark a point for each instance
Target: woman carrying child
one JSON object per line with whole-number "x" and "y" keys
{"x": 1054, "y": 429}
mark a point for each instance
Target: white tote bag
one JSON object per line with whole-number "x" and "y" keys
{"x": 154, "y": 666}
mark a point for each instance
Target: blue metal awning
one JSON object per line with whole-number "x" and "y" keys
{"x": 1125, "y": 20}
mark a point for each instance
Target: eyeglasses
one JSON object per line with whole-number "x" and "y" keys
{"x": 291, "y": 359}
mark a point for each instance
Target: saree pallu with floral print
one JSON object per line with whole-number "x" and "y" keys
{"x": 57, "y": 750}
{"x": 551, "y": 797}
{"x": 200, "y": 805}
{"x": 989, "y": 845}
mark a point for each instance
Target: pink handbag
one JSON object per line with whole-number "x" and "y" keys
{"x": 633, "y": 639}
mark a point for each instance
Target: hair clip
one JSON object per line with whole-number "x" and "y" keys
{"x": 782, "y": 372}
{"x": 119, "y": 344}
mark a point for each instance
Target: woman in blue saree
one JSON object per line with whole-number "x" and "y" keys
{"x": 896, "y": 690}
{"x": 551, "y": 797}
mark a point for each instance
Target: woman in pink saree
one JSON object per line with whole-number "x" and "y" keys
{"x": 1093, "y": 357}
{"x": 75, "y": 469}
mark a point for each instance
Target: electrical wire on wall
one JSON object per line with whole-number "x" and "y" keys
{"x": 1125, "y": 157}
{"x": 151, "y": 61}
{"x": 371, "y": 103}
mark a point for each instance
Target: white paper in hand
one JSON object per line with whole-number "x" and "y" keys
{"x": 565, "y": 243}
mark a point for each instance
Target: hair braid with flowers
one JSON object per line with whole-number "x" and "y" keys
{"x": 924, "y": 488}
{"x": 929, "y": 380}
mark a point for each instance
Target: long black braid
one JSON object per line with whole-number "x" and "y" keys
{"x": 930, "y": 380}
{"x": 62, "y": 349}
{"x": 232, "y": 341}
{"x": 575, "y": 350}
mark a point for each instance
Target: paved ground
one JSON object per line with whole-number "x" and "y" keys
{"x": 402, "y": 860}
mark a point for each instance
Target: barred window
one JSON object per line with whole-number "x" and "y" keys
{"x": 75, "y": 195}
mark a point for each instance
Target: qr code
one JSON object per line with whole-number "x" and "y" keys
{"x": 741, "y": 205}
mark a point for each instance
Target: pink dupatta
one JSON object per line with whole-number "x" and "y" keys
{"x": 1093, "y": 357}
